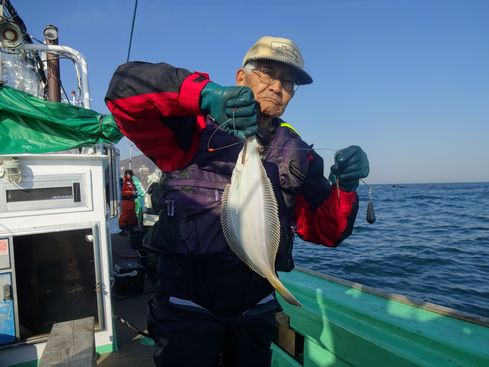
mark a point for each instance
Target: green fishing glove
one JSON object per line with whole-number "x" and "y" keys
{"x": 233, "y": 108}
{"x": 350, "y": 165}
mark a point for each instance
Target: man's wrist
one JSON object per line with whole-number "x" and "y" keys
{"x": 190, "y": 91}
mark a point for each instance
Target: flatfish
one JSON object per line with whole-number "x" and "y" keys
{"x": 249, "y": 217}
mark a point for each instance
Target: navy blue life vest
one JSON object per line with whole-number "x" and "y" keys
{"x": 190, "y": 223}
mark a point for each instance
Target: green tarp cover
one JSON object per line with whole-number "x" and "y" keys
{"x": 32, "y": 125}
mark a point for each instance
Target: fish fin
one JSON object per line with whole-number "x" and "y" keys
{"x": 271, "y": 219}
{"x": 282, "y": 290}
{"x": 232, "y": 238}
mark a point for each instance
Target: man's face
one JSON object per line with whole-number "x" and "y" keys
{"x": 272, "y": 84}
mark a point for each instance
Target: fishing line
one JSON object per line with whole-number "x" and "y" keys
{"x": 370, "y": 206}
{"x": 219, "y": 127}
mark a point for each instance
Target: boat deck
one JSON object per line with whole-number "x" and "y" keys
{"x": 132, "y": 350}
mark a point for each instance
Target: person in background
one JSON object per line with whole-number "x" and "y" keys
{"x": 152, "y": 199}
{"x": 210, "y": 308}
{"x": 139, "y": 200}
{"x": 128, "y": 219}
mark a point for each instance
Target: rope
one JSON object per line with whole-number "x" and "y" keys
{"x": 132, "y": 29}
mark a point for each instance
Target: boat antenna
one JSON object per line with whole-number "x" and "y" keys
{"x": 132, "y": 29}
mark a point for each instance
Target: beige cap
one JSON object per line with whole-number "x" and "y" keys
{"x": 282, "y": 50}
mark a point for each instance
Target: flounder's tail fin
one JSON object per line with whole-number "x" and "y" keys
{"x": 282, "y": 290}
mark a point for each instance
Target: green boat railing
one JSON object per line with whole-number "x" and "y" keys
{"x": 346, "y": 324}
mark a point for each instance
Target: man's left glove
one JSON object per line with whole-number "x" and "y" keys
{"x": 233, "y": 108}
{"x": 350, "y": 165}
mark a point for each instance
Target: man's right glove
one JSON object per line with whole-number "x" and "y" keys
{"x": 233, "y": 108}
{"x": 350, "y": 165}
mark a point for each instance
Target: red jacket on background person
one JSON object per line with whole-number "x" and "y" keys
{"x": 127, "y": 218}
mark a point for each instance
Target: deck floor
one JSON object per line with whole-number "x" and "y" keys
{"x": 131, "y": 352}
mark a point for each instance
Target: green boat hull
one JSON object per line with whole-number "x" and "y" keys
{"x": 347, "y": 324}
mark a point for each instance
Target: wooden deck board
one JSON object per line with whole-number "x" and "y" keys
{"x": 70, "y": 344}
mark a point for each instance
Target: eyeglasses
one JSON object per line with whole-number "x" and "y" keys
{"x": 270, "y": 76}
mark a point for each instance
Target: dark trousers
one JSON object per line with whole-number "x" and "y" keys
{"x": 192, "y": 337}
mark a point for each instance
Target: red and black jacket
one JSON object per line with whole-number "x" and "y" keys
{"x": 157, "y": 107}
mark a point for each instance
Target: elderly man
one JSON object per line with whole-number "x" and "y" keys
{"x": 211, "y": 309}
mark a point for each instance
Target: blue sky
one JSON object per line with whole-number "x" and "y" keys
{"x": 407, "y": 80}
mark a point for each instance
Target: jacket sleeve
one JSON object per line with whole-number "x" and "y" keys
{"x": 156, "y": 106}
{"x": 324, "y": 214}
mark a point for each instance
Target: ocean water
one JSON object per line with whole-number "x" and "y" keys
{"x": 430, "y": 243}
